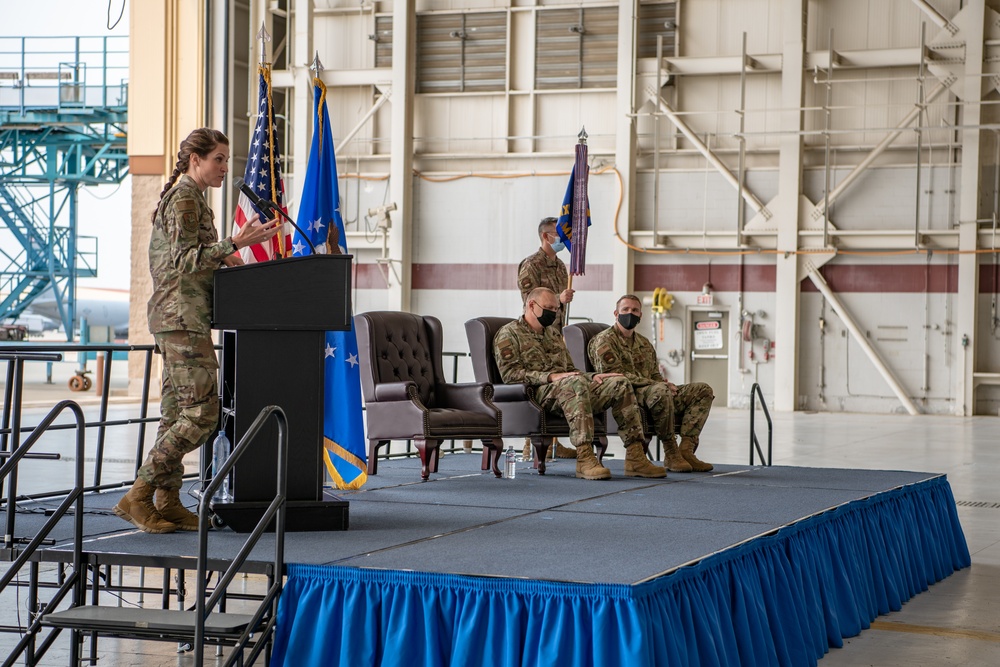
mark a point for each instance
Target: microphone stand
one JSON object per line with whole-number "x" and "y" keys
{"x": 277, "y": 209}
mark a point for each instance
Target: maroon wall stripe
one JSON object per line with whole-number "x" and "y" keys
{"x": 496, "y": 277}
{"x": 369, "y": 276}
{"x": 989, "y": 278}
{"x": 896, "y": 279}
{"x": 692, "y": 277}
{"x": 863, "y": 278}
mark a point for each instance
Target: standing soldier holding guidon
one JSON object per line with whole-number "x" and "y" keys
{"x": 619, "y": 349}
{"x": 544, "y": 269}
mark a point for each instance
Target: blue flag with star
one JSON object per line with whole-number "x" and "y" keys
{"x": 564, "y": 224}
{"x": 319, "y": 214}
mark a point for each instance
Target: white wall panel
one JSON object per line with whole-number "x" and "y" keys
{"x": 342, "y": 40}
{"x": 697, "y": 200}
{"x": 871, "y": 24}
{"x": 559, "y": 117}
{"x": 451, "y": 124}
{"x": 911, "y": 332}
{"x": 716, "y": 27}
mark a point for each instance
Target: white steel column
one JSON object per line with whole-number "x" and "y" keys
{"x": 787, "y": 211}
{"x": 302, "y": 53}
{"x": 968, "y": 209}
{"x": 624, "y": 259}
{"x": 404, "y": 28}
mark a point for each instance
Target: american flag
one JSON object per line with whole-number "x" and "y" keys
{"x": 263, "y": 174}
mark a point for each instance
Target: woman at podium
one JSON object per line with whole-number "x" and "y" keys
{"x": 184, "y": 252}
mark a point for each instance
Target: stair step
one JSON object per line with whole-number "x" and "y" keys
{"x": 131, "y": 621}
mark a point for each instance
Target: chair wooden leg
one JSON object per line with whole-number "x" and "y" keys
{"x": 601, "y": 445}
{"x": 541, "y": 446}
{"x": 435, "y": 454}
{"x": 493, "y": 448}
{"x": 422, "y": 449}
{"x": 373, "y": 447}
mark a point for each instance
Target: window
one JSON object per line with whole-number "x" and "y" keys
{"x": 459, "y": 53}
{"x": 657, "y": 18}
{"x": 576, "y": 48}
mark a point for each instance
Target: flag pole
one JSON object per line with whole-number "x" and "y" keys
{"x": 577, "y": 259}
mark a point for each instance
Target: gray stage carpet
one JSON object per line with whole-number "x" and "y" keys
{"x": 464, "y": 521}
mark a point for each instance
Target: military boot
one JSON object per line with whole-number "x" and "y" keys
{"x": 563, "y": 452}
{"x": 527, "y": 449}
{"x": 672, "y": 458}
{"x": 587, "y": 465}
{"x": 168, "y": 504}
{"x": 137, "y": 508}
{"x": 688, "y": 445}
{"x": 637, "y": 465}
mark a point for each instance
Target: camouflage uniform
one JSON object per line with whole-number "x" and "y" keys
{"x": 525, "y": 356}
{"x": 635, "y": 358}
{"x": 184, "y": 252}
{"x": 540, "y": 270}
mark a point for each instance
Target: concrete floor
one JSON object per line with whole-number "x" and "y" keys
{"x": 956, "y": 622}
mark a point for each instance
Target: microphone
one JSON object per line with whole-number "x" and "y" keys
{"x": 269, "y": 208}
{"x": 263, "y": 205}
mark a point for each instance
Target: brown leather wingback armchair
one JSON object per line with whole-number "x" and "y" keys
{"x": 577, "y": 340}
{"x": 522, "y": 416}
{"x": 407, "y": 397}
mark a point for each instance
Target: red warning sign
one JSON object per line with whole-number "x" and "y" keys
{"x": 711, "y": 324}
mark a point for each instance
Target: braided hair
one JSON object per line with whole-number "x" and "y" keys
{"x": 202, "y": 141}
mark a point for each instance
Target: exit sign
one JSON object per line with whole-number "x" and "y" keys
{"x": 705, "y": 299}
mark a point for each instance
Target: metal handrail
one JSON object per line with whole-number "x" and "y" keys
{"x": 75, "y": 582}
{"x": 754, "y": 442}
{"x": 275, "y": 511}
{"x": 12, "y": 408}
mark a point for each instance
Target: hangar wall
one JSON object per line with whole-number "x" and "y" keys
{"x": 862, "y": 134}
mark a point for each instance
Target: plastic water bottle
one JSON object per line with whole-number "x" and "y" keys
{"x": 510, "y": 467}
{"x": 220, "y": 453}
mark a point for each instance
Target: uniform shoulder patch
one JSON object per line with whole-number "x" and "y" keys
{"x": 605, "y": 353}
{"x": 526, "y": 283}
{"x": 506, "y": 349}
{"x": 185, "y": 205}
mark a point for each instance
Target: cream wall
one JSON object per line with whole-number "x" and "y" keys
{"x": 166, "y": 102}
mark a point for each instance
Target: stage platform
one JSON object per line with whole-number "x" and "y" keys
{"x": 743, "y": 565}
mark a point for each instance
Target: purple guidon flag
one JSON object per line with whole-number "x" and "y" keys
{"x": 574, "y": 217}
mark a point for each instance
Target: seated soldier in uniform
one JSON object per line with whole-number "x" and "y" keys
{"x": 531, "y": 351}
{"x": 619, "y": 349}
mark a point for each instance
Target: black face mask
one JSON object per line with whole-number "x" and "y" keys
{"x": 628, "y": 320}
{"x": 547, "y": 317}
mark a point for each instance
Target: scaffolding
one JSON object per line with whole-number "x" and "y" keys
{"x": 63, "y": 118}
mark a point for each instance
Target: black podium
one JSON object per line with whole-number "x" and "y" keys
{"x": 274, "y": 316}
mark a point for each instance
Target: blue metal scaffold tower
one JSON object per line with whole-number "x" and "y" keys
{"x": 63, "y": 119}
